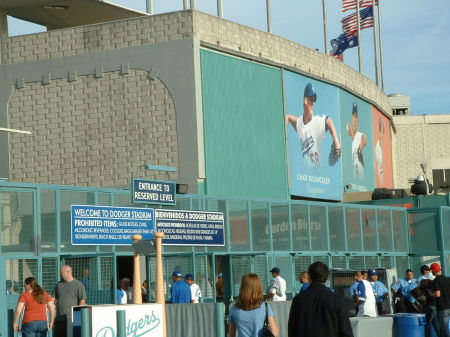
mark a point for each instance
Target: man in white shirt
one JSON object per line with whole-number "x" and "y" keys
{"x": 426, "y": 273}
{"x": 128, "y": 289}
{"x": 277, "y": 287}
{"x": 195, "y": 289}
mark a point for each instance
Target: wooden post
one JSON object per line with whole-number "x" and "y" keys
{"x": 160, "y": 279}
{"x": 137, "y": 295}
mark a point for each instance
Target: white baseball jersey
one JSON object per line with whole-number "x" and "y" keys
{"x": 379, "y": 160}
{"x": 358, "y": 166}
{"x": 195, "y": 292}
{"x": 310, "y": 136}
{"x": 277, "y": 287}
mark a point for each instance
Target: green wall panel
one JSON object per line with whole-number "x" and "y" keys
{"x": 244, "y": 132}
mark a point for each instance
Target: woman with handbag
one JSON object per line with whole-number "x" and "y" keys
{"x": 251, "y": 316}
{"x": 36, "y": 301}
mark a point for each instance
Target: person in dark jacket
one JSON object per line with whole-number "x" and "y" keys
{"x": 318, "y": 312}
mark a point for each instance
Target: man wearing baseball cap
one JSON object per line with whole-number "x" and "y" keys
{"x": 441, "y": 290}
{"x": 277, "y": 287}
{"x": 195, "y": 289}
{"x": 379, "y": 290}
{"x": 180, "y": 291}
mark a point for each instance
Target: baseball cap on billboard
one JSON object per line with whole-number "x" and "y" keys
{"x": 355, "y": 109}
{"x": 310, "y": 92}
{"x": 435, "y": 267}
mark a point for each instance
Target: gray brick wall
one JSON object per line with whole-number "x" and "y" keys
{"x": 92, "y": 132}
{"x": 97, "y": 131}
{"x": 100, "y": 37}
{"x": 420, "y": 139}
{"x": 210, "y": 29}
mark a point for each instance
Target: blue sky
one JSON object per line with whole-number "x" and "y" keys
{"x": 416, "y": 39}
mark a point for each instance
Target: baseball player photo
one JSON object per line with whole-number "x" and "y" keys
{"x": 311, "y": 130}
{"x": 379, "y": 152}
{"x": 359, "y": 141}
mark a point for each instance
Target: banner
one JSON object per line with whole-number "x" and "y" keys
{"x": 313, "y": 140}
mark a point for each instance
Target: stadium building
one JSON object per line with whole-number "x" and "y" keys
{"x": 222, "y": 103}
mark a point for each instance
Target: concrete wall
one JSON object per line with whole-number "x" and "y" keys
{"x": 420, "y": 139}
{"x": 97, "y": 96}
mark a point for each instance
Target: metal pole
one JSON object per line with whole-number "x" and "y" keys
{"x": 149, "y": 7}
{"x": 325, "y": 30}
{"x": 219, "y": 317}
{"x": 220, "y": 8}
{"x": 269, "y": 17}
{"x": 185, "y": 4}
{"x": 358, "y": 20}
{"x": 121, "y": 323}
{"x": 193, "y": 4}
{"x": 381, "y": 47}
{"x": 85, "y": 324}
{"x": 160, "y": 279}
{"x": 375, "y": 44}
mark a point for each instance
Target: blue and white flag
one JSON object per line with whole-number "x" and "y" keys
{"x": 343, "y": 42}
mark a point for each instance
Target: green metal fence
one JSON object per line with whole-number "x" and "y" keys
{"x": 260, "y": 234}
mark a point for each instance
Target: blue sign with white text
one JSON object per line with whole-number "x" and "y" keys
{"x": 184, "y": 228}
{"x": 153, "y": 192}
{"x": 104, "y": 225}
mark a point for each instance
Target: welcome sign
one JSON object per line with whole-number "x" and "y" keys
{"x": 142, "y": 320}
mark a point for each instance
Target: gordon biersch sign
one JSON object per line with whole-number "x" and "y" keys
{"x": 183, "y": 228}
{"x": 105, "y": 225}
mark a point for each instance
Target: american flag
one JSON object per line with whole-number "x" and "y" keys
{"x": 340, "y": 57}
{"x": 350, "y": 22}
{"x": 351, "y": 4}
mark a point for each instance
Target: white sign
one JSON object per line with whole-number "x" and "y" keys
{"x": 141, "y": 320}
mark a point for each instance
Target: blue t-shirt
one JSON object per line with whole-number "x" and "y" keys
{"x": 180, "y": 292}
{"x": 250, "y": 323}
{"x": 305, "y": 287}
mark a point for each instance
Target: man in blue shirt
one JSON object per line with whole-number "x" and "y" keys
{"x": 406, "y": 302}
{"x": 180, "y": 291}
{"x": 304, "y": 281}
{"x": 379, "y": 289}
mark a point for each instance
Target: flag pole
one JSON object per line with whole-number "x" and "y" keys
{"x": 220, "y": 8}
{"x": 381, "y": 47}
{"x": 358, "y": 20}
{"x": 269, "y": 16}
{"x": 325, "y": 30}
{"x": 375, "y": 44}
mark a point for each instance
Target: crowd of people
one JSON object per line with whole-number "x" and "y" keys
{"x": 429, "y": 294}
{"x": 315, "y": 311}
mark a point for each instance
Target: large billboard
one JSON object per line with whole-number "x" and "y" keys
{"x": 314, "y": 144}
{"x": 357, "y": 144}
{"x": 382, "y": 149}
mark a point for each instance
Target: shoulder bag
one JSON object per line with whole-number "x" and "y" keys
{"x": 266, "y": 328}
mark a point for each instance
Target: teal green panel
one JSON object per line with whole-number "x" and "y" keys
{"x": 245, "y": 150}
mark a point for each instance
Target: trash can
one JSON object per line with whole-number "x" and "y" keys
{"x": 410, "y": 325}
